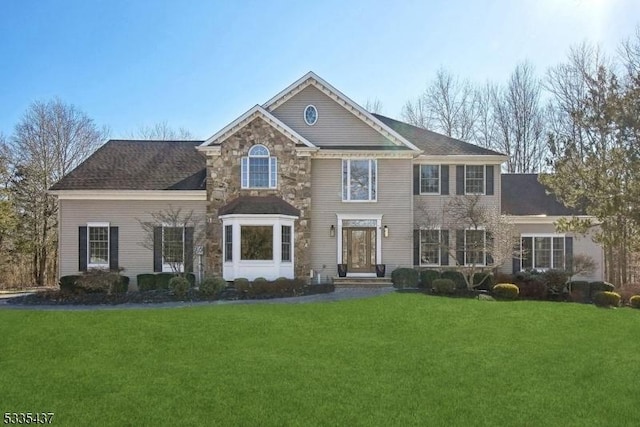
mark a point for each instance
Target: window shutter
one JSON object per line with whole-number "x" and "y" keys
{"x": 113, "y": 248}
{"x": 416, "y": 179}
{"x": 157, "y": 249}
{"x": 460, "y": 247}
{"x": 526, "y": 252}
{"x": 444, "y": 179}
{"x": 188, "y": 249}
{"x": 82, "y": 248}
{"x": 489, "y": 180}
{"x": 515, "y": 265}
{"x": 568, "y": 253}
{"x": 416, "y": 247}
{"x": 489, "y": 247}
{"x": 460, "y": 179}
{"x": 444, "y": 248}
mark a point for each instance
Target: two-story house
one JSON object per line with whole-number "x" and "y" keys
{"x": 296, "y": 186}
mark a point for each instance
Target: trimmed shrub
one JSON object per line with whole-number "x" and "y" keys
{"x": 426, "y": 278}
{"x": 146, "y": 282}
{"x": 121, "y": 286}
{"x": 634, "y": 301}
{"x": 241, "y": 283}
{"x": 606, "y": 299}
{"x": 556, "y": 280}
{"x": 457, "y": 278}
{"x": 68, "y": 284}
{"x": 444, "y": 286}
{"x": 212, "y": 286}
{"x": 180, "y": 286}
{"x": 405, "y": 278}
{"x": 260, "y": 280}
{"x": 102, "y": 281}
{"x": 503, "y": 278}
{"x": 530, "y": 285}
{"x": 600, "y": 287}
{"x": 579, "y": 290}
{"x": 162, "y": 280}
{"x": 483, "y": 281}
{"x": 506, "y": 291}
{"x": 191, "y": 278}
{"x": 627, "y": 291}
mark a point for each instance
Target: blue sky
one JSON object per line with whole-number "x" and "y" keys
{"x": 200, "y": 64}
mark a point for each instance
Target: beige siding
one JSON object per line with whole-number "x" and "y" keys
{"x": 335, "y": 125}
{"x": 394, "y": 203}
{"x": 432, "y": 209}
{"x": 583, "y": 245}
{"x": 122, "y": 214}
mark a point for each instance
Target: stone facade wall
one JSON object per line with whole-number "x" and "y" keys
{"x": 294, "y": 187}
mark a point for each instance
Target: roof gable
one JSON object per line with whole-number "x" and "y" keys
{"x": 247, "y": 118}
{"x": 311, "y": 79}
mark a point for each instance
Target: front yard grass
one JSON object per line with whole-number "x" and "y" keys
{"x": 401, "y": 359}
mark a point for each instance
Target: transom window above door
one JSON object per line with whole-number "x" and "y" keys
{"x": 259, "y": 169}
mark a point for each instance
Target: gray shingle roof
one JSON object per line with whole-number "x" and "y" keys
{"x": 258, "y": 205}
{"x": 433, "y": 143}
{"x": 139, "y": 165}
{"x": 523, "y": 194}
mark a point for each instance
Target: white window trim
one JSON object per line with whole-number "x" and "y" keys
{"x": 377, "y": 218}
{"x": 484, "y": 247}
{"x": 439, "y": 230}
{"x": 375, "y": 188}
{"x": 273, "y": 175}
{"x": 436, "y": 193}
{"x": 99, "y": 265}
{"x": 166, "y": 266}
{"x": 242, "y": 268}
{"x": 533, "y": 250}
{"x": 304, "y": 114}
{"x": 484, "y": 180}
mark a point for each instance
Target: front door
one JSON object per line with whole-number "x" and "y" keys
{"x": 359, "y": 249}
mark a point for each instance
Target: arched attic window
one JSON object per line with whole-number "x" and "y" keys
{"x": 259, "y": 169}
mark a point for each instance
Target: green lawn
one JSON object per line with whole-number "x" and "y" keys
{"x": 400, "y": 359}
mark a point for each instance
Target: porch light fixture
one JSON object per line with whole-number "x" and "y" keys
{"x": 332, "y": 231}
{"x": 385, "y": 231}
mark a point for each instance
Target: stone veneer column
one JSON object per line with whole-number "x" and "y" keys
{"x": 294, "y": 187}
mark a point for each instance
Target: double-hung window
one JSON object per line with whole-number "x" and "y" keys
{"x": 285, "y": 253}
{"x": 173, "y": 248}
{"x": 474, "y": 179}
{"x": 475, "y": 247}
{"x": 359, "y": 180}
{"x": 430, "y": 247}
{"x": 543, "y": 252}
{"x": 259, "y": 169}
{"x": 429, "y": 179}
{"x": 98, "y": 245}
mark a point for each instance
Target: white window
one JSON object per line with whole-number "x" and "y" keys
{"x": 286, "y": 243}
{"x": 474, "y": 179}
{"x": 98, "y": 245}
{"x": 542, "y": 252}
{"x": 429, "y": 179}
{"x": 359, "y": 180}
{"x": 310, "y": 115}
{"x": 259, "y": 170}
{"x": 475, "y": 247}
{"x": 173, "y": 249}
{"x": 430, "y": 247}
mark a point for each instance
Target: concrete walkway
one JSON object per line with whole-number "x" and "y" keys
{"x": 338, "y": 295}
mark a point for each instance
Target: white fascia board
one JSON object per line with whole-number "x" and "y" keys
{"x": 313, "y": 79}
{"x": 543, "y": 219}
{"x": 459, "y": 159}
{"x": 175, "y": 195}
{"x": 256, "y": 111}
{"x": 259, "y": 217}
{"x": 325, "y": 153}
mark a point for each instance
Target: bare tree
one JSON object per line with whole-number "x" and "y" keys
{"x": 483, "y": 238}
{"x": 50, "y": 140}
{"x": 373, "y": 106}
{"x": 448, "y": 105}
{"x": 161, "y": 131}
{"x": 519, "y": 120}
